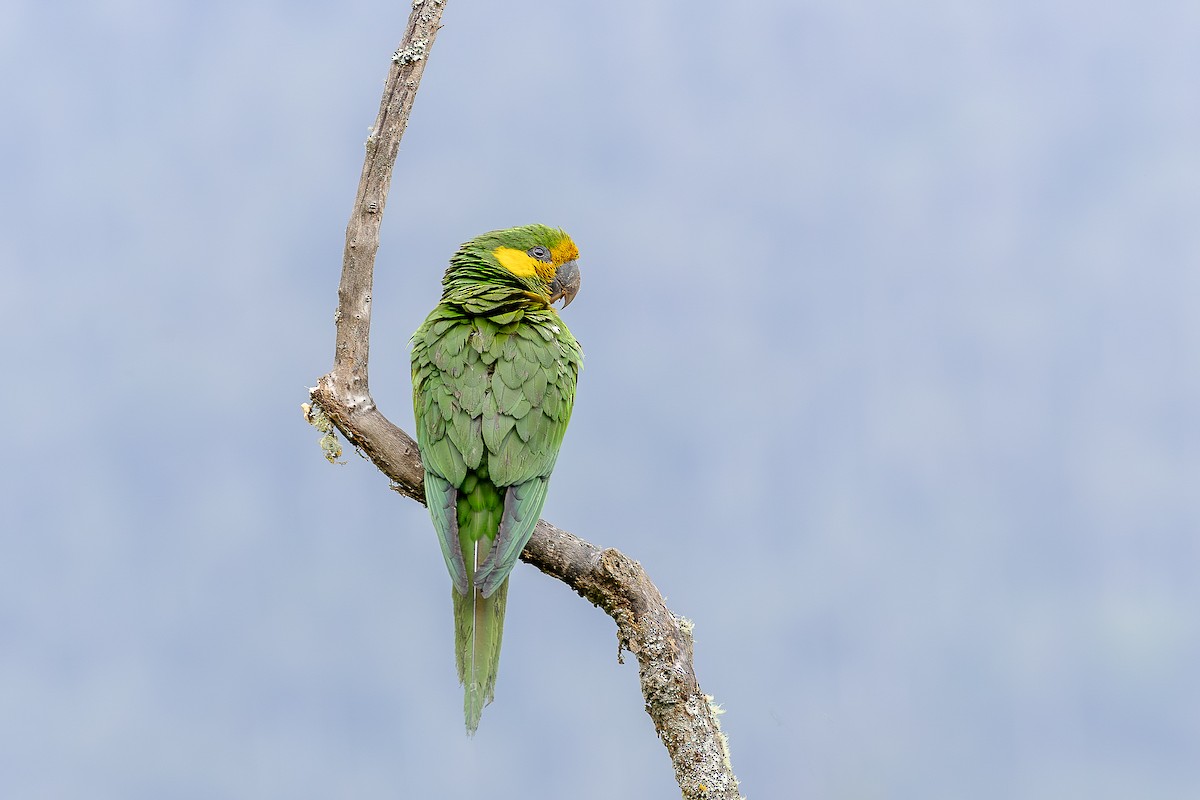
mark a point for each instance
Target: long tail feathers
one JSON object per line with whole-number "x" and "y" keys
{"x": 478, "y": 628}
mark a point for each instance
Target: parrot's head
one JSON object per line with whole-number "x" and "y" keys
{"x": 535, "y": 258}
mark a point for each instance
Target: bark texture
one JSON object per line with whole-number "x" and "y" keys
{"x": 684, "y": 717}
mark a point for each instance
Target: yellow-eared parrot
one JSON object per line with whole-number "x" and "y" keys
{"x": 494, "y": 371}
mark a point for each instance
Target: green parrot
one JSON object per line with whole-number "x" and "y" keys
{"x": 494, "y": 371}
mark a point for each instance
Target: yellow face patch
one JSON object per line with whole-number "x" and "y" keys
{"x": 564, "y": 251}
{"x": 523, "y": 265}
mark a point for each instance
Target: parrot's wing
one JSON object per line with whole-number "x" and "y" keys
{"x": 532, "y": 391}
{"x": 438, "y": 357}
{"x": 522, "y": 507}
{"x": 442, "y": 499}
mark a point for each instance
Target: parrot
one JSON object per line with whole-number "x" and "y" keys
{"x": 494, "y": 372}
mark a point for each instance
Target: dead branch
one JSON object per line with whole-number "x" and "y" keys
{"x": 684, "y": 717}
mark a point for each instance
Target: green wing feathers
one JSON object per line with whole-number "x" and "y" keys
{"x": 442, "y": 498}
{"x": 492, "y": 396}
{"x": 522, "y": 507}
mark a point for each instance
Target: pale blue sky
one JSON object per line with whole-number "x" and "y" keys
{"x": 893, "y": 369}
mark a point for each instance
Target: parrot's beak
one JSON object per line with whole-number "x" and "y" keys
{"x": 566, "y": 283}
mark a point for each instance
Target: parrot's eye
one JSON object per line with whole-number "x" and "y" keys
{"x": 539, "y": 252}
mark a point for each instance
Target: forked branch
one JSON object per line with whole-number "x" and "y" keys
{"x": 685, "y": 718}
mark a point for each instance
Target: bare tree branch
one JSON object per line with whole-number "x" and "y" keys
{"x": 684, "y": 717}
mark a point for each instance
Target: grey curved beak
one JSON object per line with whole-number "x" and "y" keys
{"x": 566, "y": 283}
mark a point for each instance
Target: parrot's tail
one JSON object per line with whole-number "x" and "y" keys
{"x": 478, "y": 628}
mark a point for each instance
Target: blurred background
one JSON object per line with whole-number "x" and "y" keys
{"x": 892, "y": 385}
